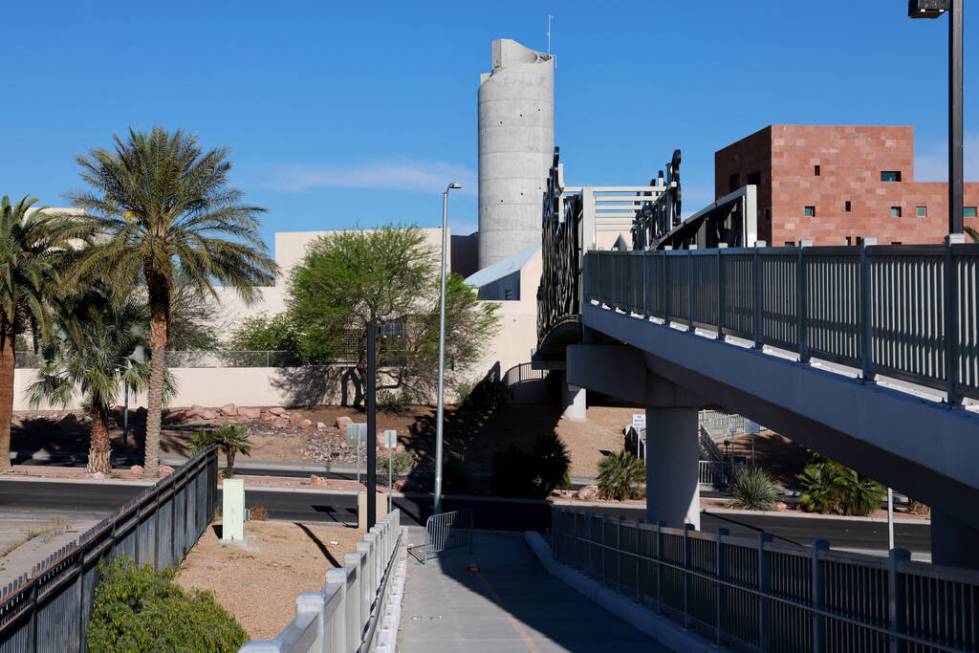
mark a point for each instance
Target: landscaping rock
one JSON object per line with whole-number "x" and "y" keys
{"x": 229, "y": 410}
{"x": 320, "y": 426}
{"x": 587, "y": 493}
{"x": 208, "y": 414}
{"x": 98, "y": 476}
{"x": 278, "y": 410}
{"x": 136, "y": 470}
{"x": 317, "y": 480}
{"x": 295, "y": 420}
{"x": 250, "y": 413}
{"x": 166, "y": 470}
{"x": 342, "y": 422}
{"x": 307, "y": 424}
{"x": 280, "y": 423}
{"x": 193, "y": 411}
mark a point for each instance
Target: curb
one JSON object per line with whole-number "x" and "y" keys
{"x": 811, "y": 515}
{"x": 659, "y": 628}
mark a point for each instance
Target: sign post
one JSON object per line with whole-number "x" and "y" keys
{"x": 390, "y": 441}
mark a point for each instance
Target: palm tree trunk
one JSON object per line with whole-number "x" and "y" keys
{"x": 230, "y": 470}
{"x": 6, "y": 397}
{"x": 159, "y": 301}
{"x": 99, "y": 447}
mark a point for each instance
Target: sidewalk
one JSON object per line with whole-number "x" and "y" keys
{"x": 510, "y": 604}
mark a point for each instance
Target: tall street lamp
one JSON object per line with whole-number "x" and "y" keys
{"x": 955, "y": 9}
{"x": 441, "y": 384}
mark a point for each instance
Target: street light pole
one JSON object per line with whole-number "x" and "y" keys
{"x": 440, "y": 399}
{"x": 956, "y": 11}
{"x": 955, "y": 117}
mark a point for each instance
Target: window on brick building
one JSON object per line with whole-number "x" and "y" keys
{"x": 809, "y": 211}
{"x": 816, "y": 170}
{"x": 969, "y": 211}
{"x": 895, "y": 211}
{"x": 733, "y": 182}
{"x": 847, "y": 206}
{"x": 754, "y": 179}
{"x": 790, "y": 243}
{"x": 890, "y": 175}
{"x": 921, "y": 211}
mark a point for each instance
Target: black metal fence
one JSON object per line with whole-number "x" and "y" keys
{"x": 755, "y": 594}
{"x": 48, "y": 610}
{"x": 904, "y": 311}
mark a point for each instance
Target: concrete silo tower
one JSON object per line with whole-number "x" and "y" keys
{"x": 516, "y": 146}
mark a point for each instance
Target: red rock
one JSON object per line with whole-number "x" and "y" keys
{"x": 320, "y": 426}
{"x": 136, "y": 470}
{"x": 194, "y": 411}
{"x": 208, "y": 414}
{"x": 280, "y": 423}
{"x": 166, "y": 470}
{"x": 342, "y": 422}
{"x": 250, "y": 413}
{"x": 307, "y": 424}
{"x": 277, "y": 410}
{"x": 229, "y": 410}
{"x": 295, "y": 420}
{"x": 587, "y": 493}
{"x": 316, "y": 480}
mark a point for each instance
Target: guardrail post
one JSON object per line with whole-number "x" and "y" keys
{"x": 686, "y": 574}
{"x": 718, "y": 587}
{"x": 951, "y": 306}
{"x": 895, "y": 597}
{"x": 690, "y": 284}
{"x": 758, "y": 294}
{"x": 313, "y": 603}
{"x": 667, "y": 295}
{"x": 763, "y": 539}
{"x": 604, "y": 518}
{"x": 818, "y": 596}
{"x": 640, "y": 550}
{"x": 802, "y": 310}
{"x": 659, "y": 565}
{"x": 720, "y": 291}
{"x": 337, "y": 580}
{"x": 355, "y": 600}
{"x": 618, "y": 552}
{"x": 866, "y": 311}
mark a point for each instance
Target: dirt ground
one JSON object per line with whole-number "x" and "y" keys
{"x": 258, "y": 581}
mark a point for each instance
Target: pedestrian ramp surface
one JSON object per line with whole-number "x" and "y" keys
{"x": 497, "y": 598}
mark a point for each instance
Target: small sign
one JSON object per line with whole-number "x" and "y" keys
{"x": 390, "y": 438}
{"x": 233, "y": 510}
{"x": 356, "y": 434}
{"x": 639, "y": 421}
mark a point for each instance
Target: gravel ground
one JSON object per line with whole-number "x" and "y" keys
{"x": 258, "y": 581}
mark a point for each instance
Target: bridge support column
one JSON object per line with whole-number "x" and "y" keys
{"x": 953, "y": 543}
{"x": 573, "y": 400}
{"x": 672, "y": 455}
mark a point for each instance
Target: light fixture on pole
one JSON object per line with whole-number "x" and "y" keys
{"x": 956, "y": 10}
{"x": 440, "y": 399}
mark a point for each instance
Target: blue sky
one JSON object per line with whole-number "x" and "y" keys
{"x": 343, "y": 113}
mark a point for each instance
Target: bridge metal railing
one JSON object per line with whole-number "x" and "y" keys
{"x": 49, "y": 609}
{"x": 908, "y": 312}
{"x": 756, "y": 594}
{"x": 344, "y": 616}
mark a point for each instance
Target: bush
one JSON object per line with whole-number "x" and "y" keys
{"x": 390, "y": 402}
{"x": 535, "y": 473}
{"x": 830, "y": 487}
{"x": 263, "y": 333}
{"x": 753, "y": 489}
{"x": 402, "y": 462}
{"x": 140, "y": 609}
{"x": 232, "y": 439}
{"x": 619, "y": 474}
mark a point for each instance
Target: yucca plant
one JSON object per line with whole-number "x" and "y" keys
{"x": 619, "y": 474}
{"x": 753, "y": 489}
{"x": 35, "y": 249}
{"x": 232, "y": 439}
{"x": 164, "y": 207}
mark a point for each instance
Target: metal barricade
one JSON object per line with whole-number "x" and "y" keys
{"x": 443, "y": 532}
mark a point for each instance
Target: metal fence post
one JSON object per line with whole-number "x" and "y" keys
{"x": 818, "y": 596}
{"x": 618, "y": 552}
{"x": 951, "y": 306}
{"x": 896, "y": 596}
{"x": 639, "y": 557}
{"x": 604, "y": 520}
{"x": 686, "y": 574}
{"x": 763, "y": 539}
{"x": 757, "y": 290}
{"x": 718, "y": 587}
{"x": 802, "y": 297}
{"x": 866, "y": 311}
{"x": 690, "y": 284}
{"x": 667, "y": 295}
{"x": 720, "y": 291}
{"x": 659, "y": 565}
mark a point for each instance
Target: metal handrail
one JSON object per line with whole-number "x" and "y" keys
{"x": 907, "y": 312}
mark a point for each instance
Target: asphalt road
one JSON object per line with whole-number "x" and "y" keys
{"x": 18, "y": 497}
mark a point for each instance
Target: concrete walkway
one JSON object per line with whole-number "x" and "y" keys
{"x": 510, "y": 604}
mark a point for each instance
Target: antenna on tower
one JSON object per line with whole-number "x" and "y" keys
{"x": 549, "y": 19}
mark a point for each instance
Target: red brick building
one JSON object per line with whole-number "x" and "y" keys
{"x": 834, "y": 184}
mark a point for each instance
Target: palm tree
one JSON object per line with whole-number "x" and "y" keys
{"x": 34, "y": 250}
{"x": 91, "y": 353}
{"x": 164, "y": 207}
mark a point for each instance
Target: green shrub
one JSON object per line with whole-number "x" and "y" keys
{"x": 753, "y": 489}
{"x": 264, "y": 333}
{"x": 232, "y": 439}
{"x": 830, "y": 487}
{"x": 532, "y": 474}
{"x": 402, "y": 462}
{"x": 391, "y": 402}
{"x": 619, "y": 474}
{"x": 140, "y": 609}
